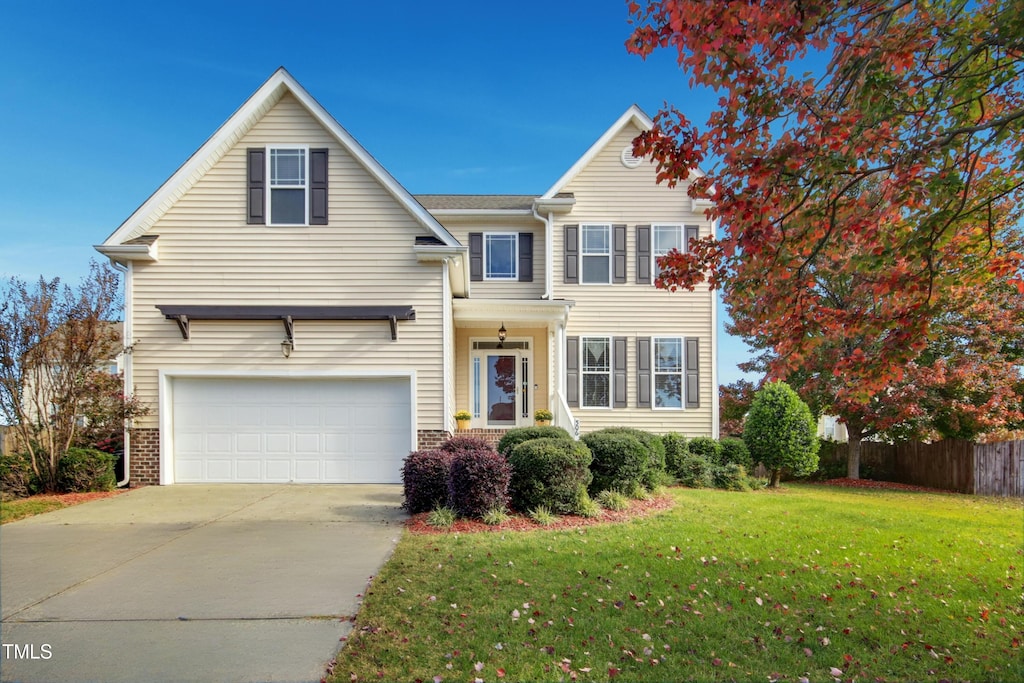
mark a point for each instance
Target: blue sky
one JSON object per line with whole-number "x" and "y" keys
{"x": 102, "y": 101}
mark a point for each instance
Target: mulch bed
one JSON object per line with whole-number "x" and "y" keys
{"x": 417, "y": 524}
{"x": 879, "y": 485}
{"x": 76, "y": 498}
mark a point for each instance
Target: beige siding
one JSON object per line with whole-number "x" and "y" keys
{"x": 208, "y": 255}
{"x": 608, "y": 192}
{"x": 497, "y": 289}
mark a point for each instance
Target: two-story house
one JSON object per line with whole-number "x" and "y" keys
{"x": 295, "y": 314}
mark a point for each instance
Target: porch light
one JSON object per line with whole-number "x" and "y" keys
{"x": 502, "y": 333}
{"x": 286, "y": 348}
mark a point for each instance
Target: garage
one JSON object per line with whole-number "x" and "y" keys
{"x": 275, "y": 430}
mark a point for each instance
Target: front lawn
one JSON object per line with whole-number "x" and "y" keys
{"x": 810, "y": 582}
{"x": 13, "y": 510}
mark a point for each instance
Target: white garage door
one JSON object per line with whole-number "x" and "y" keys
{"x": 290, "y": 430}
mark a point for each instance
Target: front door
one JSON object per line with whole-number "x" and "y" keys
{"x": 500, "y": 384}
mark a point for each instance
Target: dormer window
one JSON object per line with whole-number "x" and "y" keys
{"x": 288, "y": 172}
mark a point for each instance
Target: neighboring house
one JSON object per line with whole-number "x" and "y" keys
{"x": 296, "y": 315}
{"x": 829, "y": 427}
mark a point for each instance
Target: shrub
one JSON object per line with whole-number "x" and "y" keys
{"x": 514, "y": 437}
{"x": 425, "y": 480}
{"x": 620, "y": 460}
{"x": 541, "y": 515}
{"x": 780, "y": 432}
{"x": 17, "y": 480}
{"x": 613, "y": 500}
{"x": 675, "y": 449}
{"x": 707, "y": 447}
{"x": 655, "y": 453}
{"x": 589, "y": 508}
{"x": 478, "y": 482}
{"x": 695, "y": 472}
{"x": 495, "y": 516}
{"x": 442, "y": 517}
{"x": 732, "y": 477}
{"x": 552, "y": 472}
{"x": 86, "y": 469}
{"x": 463, "y": 444}
{"x": 735, "y": 451}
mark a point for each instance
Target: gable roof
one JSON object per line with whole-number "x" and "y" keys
{"x": 232, "y": 130}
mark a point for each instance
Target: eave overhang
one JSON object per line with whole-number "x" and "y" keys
{"x": 458, "y": 273}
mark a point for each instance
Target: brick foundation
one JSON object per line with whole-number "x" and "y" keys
{"x": 430, "y": 439}
{"x": 144, "y": 457}
{"x": 491, "y": 436}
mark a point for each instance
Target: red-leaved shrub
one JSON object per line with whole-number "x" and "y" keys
{"x": 478, "y": 482}
{"x": 425, "y": 480}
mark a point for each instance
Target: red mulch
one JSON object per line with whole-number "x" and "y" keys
{"x": 76, "y": 498}
{"x": 880, "y": 485}
{"x": 417, "y": 524}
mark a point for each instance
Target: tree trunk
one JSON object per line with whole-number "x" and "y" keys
{"x": 776, "y": 478}
{"x": 853, "y": 455}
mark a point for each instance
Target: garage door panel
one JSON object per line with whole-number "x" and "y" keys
{"x": 280, "y": 430}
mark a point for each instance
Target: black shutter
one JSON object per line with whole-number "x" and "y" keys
{"x": 572, "y": 254}
{"x": 256, "y": 187}
{"x": 643, "y": 372}
{"x": 692, "y": 372}
{"x": 691, "y": 234}
{"x": 526, "y": 257}
{"x": 619, "y": 372}
{"x": 476, "y": 256}
{"x": 619, "y": 263}
{"x": 643, "y": 254}
{"x": 572, "y": 371}
{"x": 318, "y": 187}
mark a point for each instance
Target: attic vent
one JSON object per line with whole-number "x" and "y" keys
{"x": 628, "y": 159}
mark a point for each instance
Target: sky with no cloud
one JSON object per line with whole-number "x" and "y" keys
{"x": 101, "y": 101}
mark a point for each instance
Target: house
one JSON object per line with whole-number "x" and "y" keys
{"x": 295, "y": 314}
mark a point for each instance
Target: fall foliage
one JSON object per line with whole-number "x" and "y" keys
{"x": 867, "y": 167}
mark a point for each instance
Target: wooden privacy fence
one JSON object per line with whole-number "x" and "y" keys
{"x": 988, "y": 469}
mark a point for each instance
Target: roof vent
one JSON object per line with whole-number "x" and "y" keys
{"x": 628, "y": 158}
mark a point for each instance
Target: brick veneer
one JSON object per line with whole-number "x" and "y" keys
{"x": 144, "y": 457}
{"x": 491, "y": 436}
{"x": 429, "y": 439}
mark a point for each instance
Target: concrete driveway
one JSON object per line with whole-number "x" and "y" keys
{"x": 192, "y": 582}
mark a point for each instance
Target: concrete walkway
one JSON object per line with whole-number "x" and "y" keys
{"x": 191, "y": 582}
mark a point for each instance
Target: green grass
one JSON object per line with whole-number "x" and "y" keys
{"x": 12, "y": 511}
{"x": 726, "y": 586}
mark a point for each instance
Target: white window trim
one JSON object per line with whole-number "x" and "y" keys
{"x": 681, "y": 373}
{"x": 654, "y": 241}
{"x": 515, "y": 257}
{"x": 610, "y": 372}
{"x": 270, "y": 188}
{"x": 608, "y": 253}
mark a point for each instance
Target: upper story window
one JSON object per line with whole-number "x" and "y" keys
{"x": 668, "y": 372}
{"x": 666, "y": 238}
{"x": 595, "y": 255}
{"x": 596, "y": 372}
{"x": 501, "y": 256}
{"x": 288, "y": 173}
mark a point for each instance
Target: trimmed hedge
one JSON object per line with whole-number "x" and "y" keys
{"x": 514, "y": 437}
{"x": 463, "y": 444}
{"x": 707, "y": 447}
{"x": 732, "y": 477}
{"x": 86, "y": 469}
{"x": 17, "y": 480}
{"x": 655, "y": 453}
{"x": 675, "y": 451}
{"x": 550, "y": 472}
{"x": 478, "y": 482}
{"x": 695, "y": 471}
{"x": 735, "y": 451}
{"x": 620, "y": 461}
{"x": 425, "y": 480}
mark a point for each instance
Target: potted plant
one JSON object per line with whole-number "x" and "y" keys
{"x": 462, "y": 419}
{"x": 542, "y": 417}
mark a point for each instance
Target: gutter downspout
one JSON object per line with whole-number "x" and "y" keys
{"x": 715, "y": 408}
{"x": 548, "y": 251}
{"x": 126, "y": 342}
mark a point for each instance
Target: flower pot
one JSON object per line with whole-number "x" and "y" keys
{"x": 542, "y": 423}
{"x": 462, "y": 425}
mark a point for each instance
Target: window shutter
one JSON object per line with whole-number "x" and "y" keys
{"x": 572, "y": 371}
{"x": 643, "y": 254}
{"x": 572, "y": 254}
{"x": 619, "y": 371}
{"x": 318, "y": 187}
{"x": 619, "y": 255}
{"x": 256, "y": 187}
{"x": 691, "y": 234}
{"x": 476, "y": 256}
{"x": 643, "y": 372}
{"x": 692, "y": 372}
{"x": 526, "y": 257}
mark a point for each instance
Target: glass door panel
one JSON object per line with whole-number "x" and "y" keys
{"x": 502, "y": 383}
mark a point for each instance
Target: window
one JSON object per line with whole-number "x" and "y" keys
{"x": 666, "y": 238}
{"x": 596, "y": 254}
{"x": 597, "y": 372}
{"x": 501, "y": 256}
{"x": 668, "y": 372}
{"x": 288, "y": 174}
